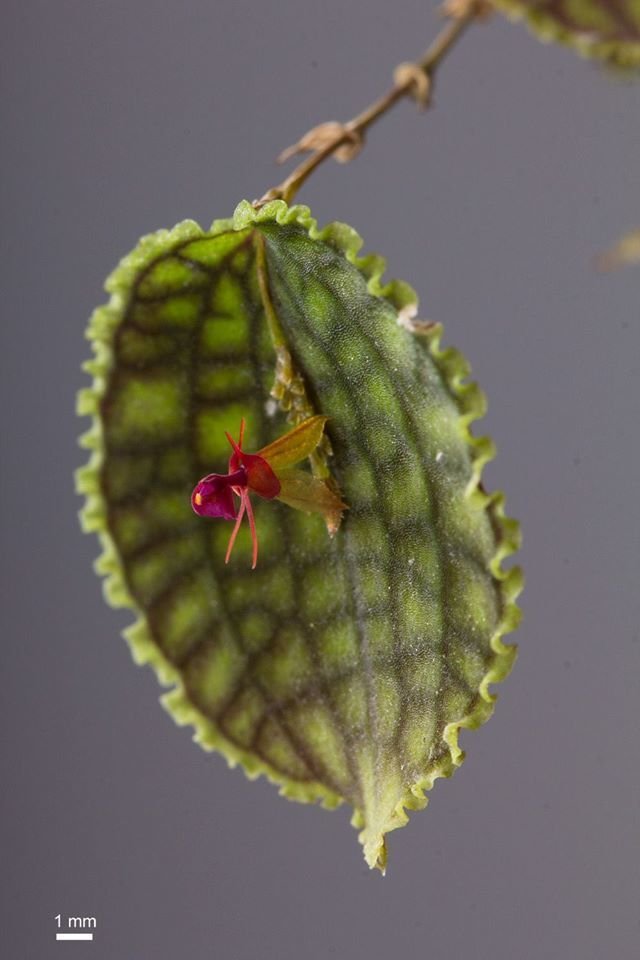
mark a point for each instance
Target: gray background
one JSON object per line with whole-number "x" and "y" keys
{"x": 122, "y": 117}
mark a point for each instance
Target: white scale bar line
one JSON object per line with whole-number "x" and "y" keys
{"x": 74, "y": 936}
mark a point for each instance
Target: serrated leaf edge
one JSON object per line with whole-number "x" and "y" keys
{"x": 548, "y": 30}
{"x": 471, "y": 404}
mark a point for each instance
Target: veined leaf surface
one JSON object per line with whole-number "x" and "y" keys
{"x": 342, "y": 667}
{"x": 606, "y": 29}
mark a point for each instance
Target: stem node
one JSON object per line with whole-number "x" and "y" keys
{"x": 345, "y": 140}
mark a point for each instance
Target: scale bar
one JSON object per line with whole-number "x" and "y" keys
{"x": 74, "y": 936}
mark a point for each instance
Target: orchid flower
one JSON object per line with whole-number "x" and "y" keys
{"x": 269, "y": 474}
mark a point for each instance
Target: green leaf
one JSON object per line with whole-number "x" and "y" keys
{"x": 342, "y": 667}
{"x": 606, "y": 29}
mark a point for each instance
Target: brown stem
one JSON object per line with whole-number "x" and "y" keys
{"x": 352, "y": 133}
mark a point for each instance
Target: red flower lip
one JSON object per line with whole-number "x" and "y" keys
{"x": 213, "y": 495}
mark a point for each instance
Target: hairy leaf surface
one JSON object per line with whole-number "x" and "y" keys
{"x": 344, "y": 666}
{"x": 607, "y": 29}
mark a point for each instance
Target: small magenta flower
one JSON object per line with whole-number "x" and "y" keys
{"x": 268, "y": 474}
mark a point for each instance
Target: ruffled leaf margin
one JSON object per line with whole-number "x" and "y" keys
{"x": 470, "y": 402}
{"x": 589, "y": 39}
